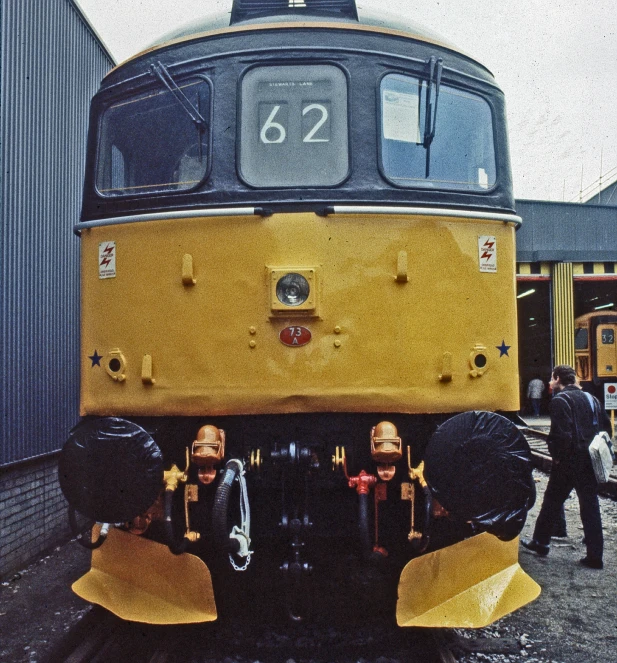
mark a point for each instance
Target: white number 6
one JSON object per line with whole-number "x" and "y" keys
{"x": 273, "y": 125}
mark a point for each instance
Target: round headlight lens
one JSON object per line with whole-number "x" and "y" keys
{"x": 292, "y": 289}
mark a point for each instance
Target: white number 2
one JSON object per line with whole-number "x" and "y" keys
{"x": 270, "y": 124}
{"x": 324, "y": 116}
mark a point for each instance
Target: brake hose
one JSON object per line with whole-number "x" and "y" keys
{"x": 238, "y": 541}
{"x": 364, "y": 525}
{"x": 422, "y": 544}
{"x": 80, "y": 533}
{"x": 175, "y": 546}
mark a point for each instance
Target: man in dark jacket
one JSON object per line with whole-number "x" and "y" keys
{"x": 573, "y": 425}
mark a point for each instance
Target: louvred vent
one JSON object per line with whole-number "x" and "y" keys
{"x": 244, "y": 10}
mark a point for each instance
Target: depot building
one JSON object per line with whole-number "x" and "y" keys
{"x": 566, "y": 270}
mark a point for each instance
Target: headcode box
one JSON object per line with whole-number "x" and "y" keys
{"x": 610, "y": 396}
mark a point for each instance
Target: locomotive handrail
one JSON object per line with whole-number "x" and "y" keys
{"x": 425, "y": 211}
{"x": 261, "y": 211}
{"x": 160, "y": 216}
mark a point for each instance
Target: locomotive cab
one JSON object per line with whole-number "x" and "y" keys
{"x": 595, "y": 350}
{"x": 299, "y": 326}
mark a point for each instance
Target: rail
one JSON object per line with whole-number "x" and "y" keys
{"x": 542, "y": 459}
{"x": 101, "y": 637}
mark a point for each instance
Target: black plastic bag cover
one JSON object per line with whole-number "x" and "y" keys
{"x": 478, "y": 467}
{"x": 110, "y": 470}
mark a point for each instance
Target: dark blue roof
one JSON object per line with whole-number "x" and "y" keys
{"x": 381, "y": 19}
{"x": 608, "y": 196}
{"x": 569, "y": 232}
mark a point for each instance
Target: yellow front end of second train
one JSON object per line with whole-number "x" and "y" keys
{"x": 299, "y": 328}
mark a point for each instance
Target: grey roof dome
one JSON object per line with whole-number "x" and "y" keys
{"x": 367, "y": 17}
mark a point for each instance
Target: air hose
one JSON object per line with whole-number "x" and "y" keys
{"x": 81, "y": 533}
{"x": 364, "y": 525}
{"x": 237, "y": 541}
{"x": 175, "y": 546}
{"x": 420, "y": 545}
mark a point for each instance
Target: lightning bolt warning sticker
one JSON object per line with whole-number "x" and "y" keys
{"x": 107, "y": 260}
{"x": 487, "y": 253}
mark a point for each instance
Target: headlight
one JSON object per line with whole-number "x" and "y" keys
{"x": 292, "y": 289}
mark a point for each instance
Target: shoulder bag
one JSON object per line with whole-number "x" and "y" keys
{"x": 600, "y": 449}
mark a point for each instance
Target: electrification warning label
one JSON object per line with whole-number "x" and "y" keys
{"x": 487, "y": 253}
{"x": 610, "y": 396}
{"x": 107, "y": 260}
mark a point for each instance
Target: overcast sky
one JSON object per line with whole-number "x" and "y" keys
{"x": 555, "y": 61}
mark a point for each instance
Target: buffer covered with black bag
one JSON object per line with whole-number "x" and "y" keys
{"x": 478, "y": 466}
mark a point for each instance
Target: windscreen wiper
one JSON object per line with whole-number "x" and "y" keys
{"x": 161, "y": 72}
{"x": 435, "y": 67}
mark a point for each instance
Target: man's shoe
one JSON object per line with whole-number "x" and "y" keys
{"x": 591, "y": 563}
{"x": 538, "y": 548}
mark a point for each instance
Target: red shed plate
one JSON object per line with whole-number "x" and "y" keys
{"x": 295, "y": 336}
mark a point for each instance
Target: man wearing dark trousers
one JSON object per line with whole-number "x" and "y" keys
{"x": 574, "y": 423}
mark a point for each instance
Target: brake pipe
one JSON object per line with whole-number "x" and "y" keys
{"x": 363, "y": 484}
{"x": 80, "y": 534}
{"x": 175, "y": 546}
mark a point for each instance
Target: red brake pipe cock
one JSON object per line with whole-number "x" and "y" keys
{"x": 363, "y": 482}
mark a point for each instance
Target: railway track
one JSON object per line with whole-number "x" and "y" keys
{"x": 101, "y": 637}
{"x": 542, "y": 459}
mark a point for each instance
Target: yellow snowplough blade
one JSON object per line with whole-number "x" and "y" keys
{"x": 467, "y": 585}
{"x": 142, "y": 581}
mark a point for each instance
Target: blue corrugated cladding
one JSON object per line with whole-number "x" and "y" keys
{"x": 566, "y": 232}
{"x": 51, "y": 65}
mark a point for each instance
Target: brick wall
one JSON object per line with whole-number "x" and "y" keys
{"x": 33, "y": 513}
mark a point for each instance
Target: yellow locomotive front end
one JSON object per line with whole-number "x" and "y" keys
{"x": 399, "y": 315}
{"x": 298, "y": 340}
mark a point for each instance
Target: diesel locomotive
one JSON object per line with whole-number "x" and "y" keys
{"x": 595, "y": 350}
{"x": 298, "y": 338}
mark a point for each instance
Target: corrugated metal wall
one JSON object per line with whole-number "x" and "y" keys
{"x": 553, "y": 232}
{"x": 51, "y": 65}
